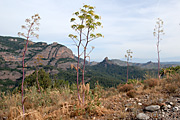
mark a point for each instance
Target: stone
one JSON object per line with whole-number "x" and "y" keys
{"x": 160, "y": 100}
{"x": 142, "y": 116}
{"x": 128, "y": 105}
{"x": 171, "y": 103}
{"x": 152, "y": 108}
{"x": 175, "y": 109}
{"x": 178, "y": 100}
{"x": 139, "y": 104}
{"x": 169, "y": 106}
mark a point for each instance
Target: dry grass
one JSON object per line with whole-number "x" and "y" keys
{"x": 53, "y": 104}
{"x": 131, "y": 93}
{"x": 150, "y": 83}
{"x": 125, "y": 87}
{"x": 62, "y": 104}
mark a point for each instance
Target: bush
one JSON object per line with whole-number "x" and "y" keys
{"x": 171, "y": 88}
{"x": 150, "y": 83}
{"x": 132, "y": 81}
{"x": 173, "y": 78}
{"x": 131, "y": 93}
{"x": 125, "y": 87}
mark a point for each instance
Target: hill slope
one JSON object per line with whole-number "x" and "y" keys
{"x": 11, "y": 49}
{"x": 148, "y": 65}
{"x": 57, "y": 59}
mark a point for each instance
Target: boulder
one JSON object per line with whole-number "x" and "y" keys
{"x": 152, "y": 108}
{"x": 142, "y": 116}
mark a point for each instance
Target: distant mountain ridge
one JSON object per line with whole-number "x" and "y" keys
{"x": 57, "y": 59}
{"x": 148, "y": 65}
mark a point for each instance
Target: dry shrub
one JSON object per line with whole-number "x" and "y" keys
{"x": 172, "y": 83}
{"x": 16, "y": 113}
{"x": 125, "y": 88}
{"x": 150, "y": 83}
{"x": 171, "y": 88}
{"x": 131, "y": 93}
{"x": 173, "y": 78}
{"x": 110, "y": 92}
{"x": 112, "y": 89}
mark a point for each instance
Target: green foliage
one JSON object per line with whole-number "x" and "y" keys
{"x": 132, "y": 81}
{"x": 107, "y": 75}
{"x": 85, "y": 26}
{"x": 117, "y": 72}
{"x": 43, "y": 78}
{"x": 128, "y": 55}
{"x": 6, "y": 84}
{"x": 170, "y": 70}
{"x": 13, "y": 45}
{"x": 57, "y": 83}
{"x": 88, "y": 22}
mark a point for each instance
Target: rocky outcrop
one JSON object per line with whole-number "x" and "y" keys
{"x": 5, "y": 74}
{"x": 106, "y": 61}
{"x": 11, "y": 49}
{"x": 51, "y": 54}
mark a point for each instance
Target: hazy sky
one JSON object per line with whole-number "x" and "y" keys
{"x": 127, "y": 24}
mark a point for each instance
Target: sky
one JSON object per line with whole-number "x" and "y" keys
{"x": 127, "y": 24}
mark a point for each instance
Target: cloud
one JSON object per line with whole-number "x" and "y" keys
{"x": 127, "y": 24}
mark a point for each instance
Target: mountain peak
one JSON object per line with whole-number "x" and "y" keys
{"x": 106, "y": 59}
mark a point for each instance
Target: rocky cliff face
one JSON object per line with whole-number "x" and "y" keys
{"x": 51, "y": 55}
{"x": 11, "y": 49}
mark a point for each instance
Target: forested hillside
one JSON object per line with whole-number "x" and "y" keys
{"x": 56, "y": 60}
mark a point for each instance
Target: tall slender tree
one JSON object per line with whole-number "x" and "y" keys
{"x": 32, "y": 25}
{"x": 84, "y": 23}
{"x": 158, "y": 31}
{"x": 128, "y": 56}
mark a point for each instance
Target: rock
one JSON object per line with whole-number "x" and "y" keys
{"x": 152, "y": 108}
{"x": 142, "y": 116}
{"x": 165, "y": 108}
{"x": 178, "y": 100}
{"x": 147, "y": 96}
{"x": 170, "y": 103}
{"x": 160, "y": 100}
{"x": 130, "y": 109}
{"x": 169, "y": 106}
{"x": 128, "y": 105}
{"x": 139, "y": 104}
{"x": 175, "y": 109}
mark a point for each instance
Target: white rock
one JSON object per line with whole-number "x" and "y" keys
{"x": 175, "y": 109}
{"x": 168, "y": 106}
{"x": 171, "y": 103}
{"x": 142, "y": 116}
{"x": 140, "y": 104}
{"x": 152, "y": 108}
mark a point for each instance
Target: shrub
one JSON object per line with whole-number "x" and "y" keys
{"x": 132, "y": 81}
{"x": 125, "y": 87}
{"x": 171, "y": 88}
{"x": 131, "y": 93}
{"x": 150, "y": 83}
{"x": 173, "y": 78}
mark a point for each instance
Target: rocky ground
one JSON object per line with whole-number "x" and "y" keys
{"x": 151, "y": 100}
